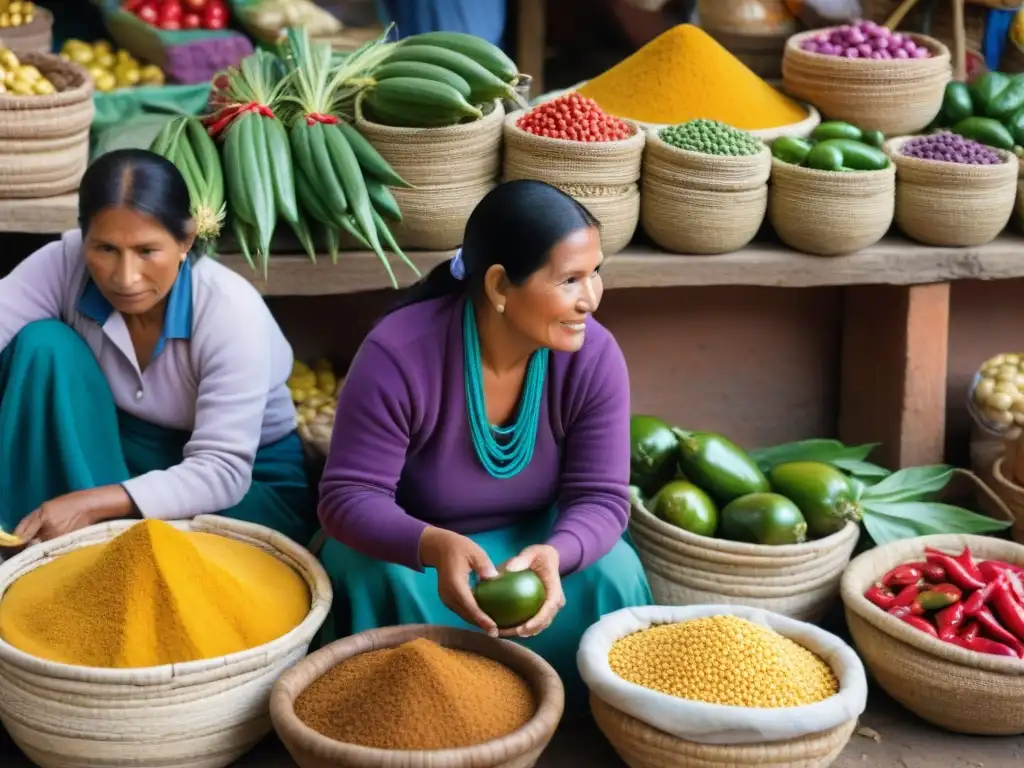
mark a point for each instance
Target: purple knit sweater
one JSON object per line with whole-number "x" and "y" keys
{"x": 402, "y": 458}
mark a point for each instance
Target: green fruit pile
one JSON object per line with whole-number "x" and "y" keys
{"x": 711, "y": 137}
{"x": 990, "y": 110}
{"x": 834, "y": 146}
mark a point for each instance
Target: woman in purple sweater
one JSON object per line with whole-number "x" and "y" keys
{"x": 485, "y": 420}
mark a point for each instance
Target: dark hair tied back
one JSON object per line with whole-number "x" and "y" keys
{"x": 140, "y": 180}
{"x": 515, "y": 225}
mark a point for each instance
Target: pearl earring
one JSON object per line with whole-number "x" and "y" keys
{"x": 500, "y": 308}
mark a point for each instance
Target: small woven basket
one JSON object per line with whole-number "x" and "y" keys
{"x": 893, "y": 96}
{"x": 450, "y": 168}
{"x": 702, "y": 204}
{"x": 946, "y": 685}
{"x": 683, "y": 568}
{"x": 642, "y": 746}
{"x": 828, "y": 213}
{"x": 952, "y": 204}
{"x": 603, "y": 176}
{"x": 519, "y": 749}
{"x": 200, "y": 714}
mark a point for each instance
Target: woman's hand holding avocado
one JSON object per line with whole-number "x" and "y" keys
{"x": 543, "y": 560}
{"x": 455, "y": 557}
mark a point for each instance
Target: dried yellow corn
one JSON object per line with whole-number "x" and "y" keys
{"x": 723, "y": 660}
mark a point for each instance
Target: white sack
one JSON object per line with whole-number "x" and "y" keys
{"x": 717, "y": 723}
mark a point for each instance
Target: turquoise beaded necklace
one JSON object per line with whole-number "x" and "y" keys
{"x": 511, "y": 455}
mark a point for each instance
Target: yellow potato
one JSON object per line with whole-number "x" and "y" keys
{"x": 21, "y": 88}
{"x": 17, "y": 19}
{"x": 14, "y": 6}
{"x": 83, "y": 56}
{"x": 8, "y": 60}
{"x": 29, "y": 73}
{"x": 5, "y": 20}
{"x": 106, "y": 82}
{"x": 96, "y": 71}
{"x": 126, "y": 75}
{"x": 151, "y": 74}
{"x": 102, "y": 46}
{"x": 326, "y": 381}
{"x": 43, "y": 87}
{"x": 107, "y": 60}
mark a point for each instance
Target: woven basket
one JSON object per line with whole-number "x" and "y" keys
{"x": 829, "y": 213}
{"x": 603, "y": 176}
{"x": 201, "y": 714}
{"x": 895, "y": 97}
{"x": 952, "y": 204}
{"x": 702, "y": 204}
{"x": 519, "y": 749}
{"x": 451, "y": 169}
{"x": 946, "y": 685}
{"x": 800, "y": 581}
{"x": 642, "y": 746}
{"x": 35, "y": 37}
{"x": 1011, "y": 492}
{"x": 44, "y": 140}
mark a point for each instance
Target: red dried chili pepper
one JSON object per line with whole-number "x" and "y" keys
{"x": 1009, "y": 610}
{"x": 881, "y": 596}
{"x": 936, "y": 574}
{"x": 984, "y": 645}
{"x": 1016, "y": 585}
{"x": 997, "y": 631}
{"x": 980, "y": 599}
{"x": 921, "y": 624}
{"x": 905, "y": 597}
{"x": 948, "y": 621}
{"x": 966, "y": 559}
{"x": 990, "y": 569}
{"x": 902, "y": 576}
{"x": 970, "y": 631}
{"x": 936, "y": 599}
{"x": 318, "y": 117}
{"x": 955, "y": 570}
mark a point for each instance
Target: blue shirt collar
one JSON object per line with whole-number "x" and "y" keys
{"x": 177, "y": 315}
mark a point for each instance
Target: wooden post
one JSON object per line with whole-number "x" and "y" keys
{"x": 531, "y": 41}
{"x": 894, "y": 357}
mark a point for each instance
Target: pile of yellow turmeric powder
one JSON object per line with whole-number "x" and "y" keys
{"x": 684, "y": 74}
{"x": 153, "y": 595}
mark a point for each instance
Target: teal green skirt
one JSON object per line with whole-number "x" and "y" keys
{"x": 371, "y": 593}
{"x": 62, "y": 432}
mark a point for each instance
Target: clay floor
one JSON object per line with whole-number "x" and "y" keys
{"x": 890, "y": 738}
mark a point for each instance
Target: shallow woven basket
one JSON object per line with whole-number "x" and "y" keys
{"x": 450, "y": 168}
{"x": 683, "y": 568}
{"x": 828, "y": 213}
{"x": 946, "y": 685}
{"x": 702, "y": 204}
{"x": 642, "y": 746}
{"x": 952, "y": 204}
{"x": 519, "y": 749}
{"x": 895, "y": 97}
{"x": 1012, "y": 495}
{"x": 201, "y": 714}
{"x": 603, "y": 176}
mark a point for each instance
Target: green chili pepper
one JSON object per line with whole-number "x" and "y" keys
{"x": 791, "y": 150}
{"x": 986, "y": 130}
{"x": 852, "y": 156}
{"x": 873, "y": 139}
{"x": 836, "y": 129}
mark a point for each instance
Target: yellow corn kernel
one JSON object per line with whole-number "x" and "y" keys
{"x": 723, "y": 660}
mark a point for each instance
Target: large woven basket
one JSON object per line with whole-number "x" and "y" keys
{"x": 44, "y": 140}
{"x": 828, "y": 213}
{"x": 451, "y": 169}
{"x": 519, "y": 749}
{"x": 603, "y": 176}
{"x": 895, "y": 97}
{"x": 683, "y": 568}
{"x": 642, "y": 746}
{"x": 946, "y": 685}
{"x": 201, "y": 714}
{"x": 34, "y": 37}
{"x": 952, "y": 204}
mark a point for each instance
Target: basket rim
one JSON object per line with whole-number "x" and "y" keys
{"x": 769, "y": 553}
{"x": 860, "y": 575}
{"x": 933, "y": 44}
{"x": 284, "y": 549}
{"x": 655, "y": 139}
{"x": 1007, "y": 482}
{"x": 892, "y": 149}
{"x": 636, "y": 139}
{"x": 543, "y": 679}
{"x": 814, "y": 173}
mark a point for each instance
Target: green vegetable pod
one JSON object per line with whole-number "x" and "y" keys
{"x": 836, "y": 129}
{"x": 718, "y": 466}
{"x": 846, "y": 155}
{"x": 763, "y": 518}
{"x": 822, "y": 493}
{"x": 986, "y": 130}
{"x": 791, "y": 150}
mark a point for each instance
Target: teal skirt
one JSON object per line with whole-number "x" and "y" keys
{"x": 371, "y": 593}
{"x": 57, "y": 415}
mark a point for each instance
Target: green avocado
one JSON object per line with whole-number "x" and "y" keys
{"x": 511, "y": 599}
{"x": 684, "y": 505}
{"x": 763, "y": 518}
{"x": 718, "y": 466}
{"x": 823, "y": 494}
{"x": 653, "y": 451}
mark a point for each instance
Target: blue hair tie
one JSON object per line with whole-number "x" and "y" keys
{"x": 457, "y": 266}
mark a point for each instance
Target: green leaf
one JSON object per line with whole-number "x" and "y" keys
{"x": 861, "y": 469}
{"x": 911, "y": 484}
{"x": 884, "y": 530}
{"x": 822, "y": 450}
{"x": 928, "y": 517}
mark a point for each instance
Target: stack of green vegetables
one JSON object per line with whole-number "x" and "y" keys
{"x": 990, "y": 110}
{"x": 289, "y": 147}
{"x": 705, "y": 484}
{"x": 834, "y": 146}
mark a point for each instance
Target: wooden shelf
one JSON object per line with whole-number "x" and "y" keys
{"x": 42, "y": 216}
{"x": 894, "y": 261}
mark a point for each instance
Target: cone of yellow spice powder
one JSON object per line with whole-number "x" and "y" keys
{"x": 153, "y": 595}
{"x": 684, "y": 74}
